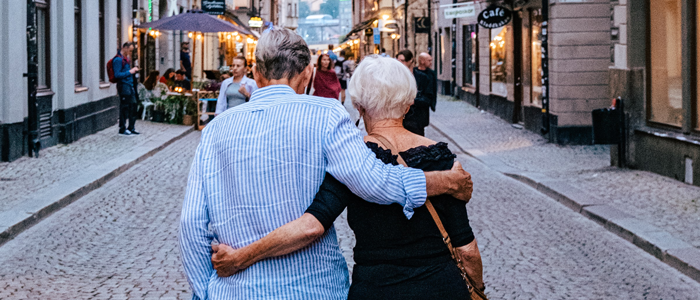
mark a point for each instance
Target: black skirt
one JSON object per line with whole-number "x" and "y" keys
{"x": 382, "y": 282}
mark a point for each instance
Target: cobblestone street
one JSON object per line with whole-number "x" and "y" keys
{"x": 120, "y": 241}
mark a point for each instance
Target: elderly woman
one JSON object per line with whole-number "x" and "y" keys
{"x": 396, "y": 258}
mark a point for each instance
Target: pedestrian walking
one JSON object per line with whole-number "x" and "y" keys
{"x": 395, "y": 258}
{"x": 258, "y": 167}
{"x": 325, "y": 82}
{"x": 418, "y": 116}
{"x": 340, "y": 72}
{"x": 235, "y": 90}
{"x": 126, "y": 88}
{"x": 185, "y": 60}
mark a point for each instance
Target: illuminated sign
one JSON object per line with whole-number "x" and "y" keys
{"x": 255, "y": 22}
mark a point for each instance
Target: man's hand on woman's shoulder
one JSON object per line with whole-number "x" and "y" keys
{"x": 463, "y": 183}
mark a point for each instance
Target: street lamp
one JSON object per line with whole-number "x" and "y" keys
{"x": 385, "y": 17}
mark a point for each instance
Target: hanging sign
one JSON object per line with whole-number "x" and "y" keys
{"x": 214, "y": 7}
{"x": 494, "y": 16}
{"x": 421, "y": 24}
{"x": 460, "y": 11}
{"x": 377, "y": 36}
{"x": 255, "y": 22}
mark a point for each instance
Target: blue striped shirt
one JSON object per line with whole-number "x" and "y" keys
{"x": 258, "y": 167}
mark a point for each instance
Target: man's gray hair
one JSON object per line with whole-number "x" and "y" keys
{"x": 281, "y": 53}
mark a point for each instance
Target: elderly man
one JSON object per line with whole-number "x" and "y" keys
{"x": 418, "y": 116}
{"x": 259, "y": 165}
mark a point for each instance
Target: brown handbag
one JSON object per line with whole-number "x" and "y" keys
{"x": 475, "y": 293}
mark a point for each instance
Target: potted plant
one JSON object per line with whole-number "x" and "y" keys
{"x": 190, "y": 111}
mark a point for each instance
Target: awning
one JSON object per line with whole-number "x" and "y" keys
{"x": 247, "y": 30}
{"x": 359, "y": 28}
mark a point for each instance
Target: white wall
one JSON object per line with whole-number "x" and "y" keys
{"x": 13, "y": 61}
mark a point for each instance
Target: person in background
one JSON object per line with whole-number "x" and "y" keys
{"x": 126, "y": 88}
{"x": 182, "y": 81}
{"x": 237, "y": 89}
{"x": 314, "y": 56}
{"x": 384, "y": 53}
{"x": 185, "y": 61}
{"x": 151, "y": 80}
{"x": 427, "y": 84}
{"x": 168, "y": 77}
{"x": 418, "y": 115}
{"x": 339, "y": 71}
{"x": 325, "y": 82}
{"x": 331, "y": 54}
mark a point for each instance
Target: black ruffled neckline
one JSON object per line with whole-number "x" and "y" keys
{"x": 414, "y": 156}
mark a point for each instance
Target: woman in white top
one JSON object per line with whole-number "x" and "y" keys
{"x": 237, "y": 89}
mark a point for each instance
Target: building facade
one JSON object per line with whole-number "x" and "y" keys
{"x": 75, "y": 99}
{"x": 500, "y": 70}
{"x": 655, "y": 71}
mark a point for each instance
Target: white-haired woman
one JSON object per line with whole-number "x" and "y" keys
{"x": 397, "y": 258}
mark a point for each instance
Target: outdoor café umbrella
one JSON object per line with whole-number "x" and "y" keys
{"x": 194, "y": 20}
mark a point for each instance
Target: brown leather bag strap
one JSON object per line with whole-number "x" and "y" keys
{"x": 471, "y": 284}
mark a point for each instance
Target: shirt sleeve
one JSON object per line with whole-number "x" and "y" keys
{"x": 221, "y": 104}
{"x": 195, "y": 237}
{"x": 330, "y": 201}
{"x": 356, "y": 166}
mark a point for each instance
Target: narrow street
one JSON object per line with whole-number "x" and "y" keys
{"x": 120, "y": 242}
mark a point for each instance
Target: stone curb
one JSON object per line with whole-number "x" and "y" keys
{"x": 655, "y": 241}
{"x": 61, "y": 194}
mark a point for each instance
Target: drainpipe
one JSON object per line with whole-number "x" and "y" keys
{"x": 545, "y": 70}
{"x": 405, "y": 24}
{"x": 32, "y": 81}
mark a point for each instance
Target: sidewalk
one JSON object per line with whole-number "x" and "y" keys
{"x": 656, "y": 213}
{"x": 32, "y": 188}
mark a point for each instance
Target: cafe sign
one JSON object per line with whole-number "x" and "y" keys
{"x": 494, "y": 16}
{"x": 214, "y": 7}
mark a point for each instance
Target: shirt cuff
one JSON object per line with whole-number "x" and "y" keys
{"x": 416, "y": 194}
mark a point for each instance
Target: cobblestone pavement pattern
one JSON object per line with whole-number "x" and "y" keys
{"x": 23, "y": 177}
{"x": 118, "y": 242}
{"x": 661, "y": 201}
{"x": 535, "y": 248}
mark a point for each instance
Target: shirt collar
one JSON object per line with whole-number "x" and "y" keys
{"x": 277, "y": 89}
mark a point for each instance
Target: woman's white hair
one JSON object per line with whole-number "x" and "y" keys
{"x": 383, "y": 87}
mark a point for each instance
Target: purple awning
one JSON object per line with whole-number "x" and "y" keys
{"x": 194, "y": 20}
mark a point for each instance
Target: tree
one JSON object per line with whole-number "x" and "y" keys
{"x": 330, "y": 7}
{"x": 304, "y": 9}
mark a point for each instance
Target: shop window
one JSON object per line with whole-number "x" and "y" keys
{"x": 42, "y": 39}
{"x": 78, "y": 44}
{"x": 470, "y": 55}
{"x": 536, "y": 57}
{"x": 498, "y": 61}
{"x": 666, "y": 103}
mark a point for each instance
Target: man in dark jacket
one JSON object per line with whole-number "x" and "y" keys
{"x": 126, "y": 88}
{"x": 418, "y": 116}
